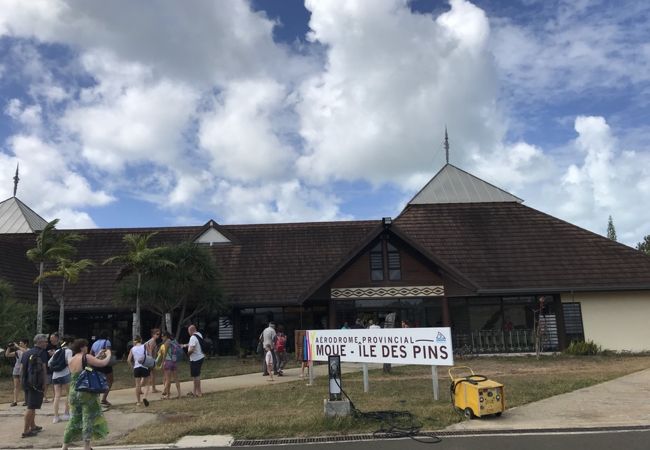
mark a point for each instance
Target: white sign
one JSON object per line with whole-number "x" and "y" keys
{"x": 423, "y": 346}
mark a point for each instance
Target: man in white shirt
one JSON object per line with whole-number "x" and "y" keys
{"x": 373, "y": 326}
{"x": 195, "y": 352}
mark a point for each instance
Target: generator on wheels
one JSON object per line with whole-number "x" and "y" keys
{"x": 474, "y": 395}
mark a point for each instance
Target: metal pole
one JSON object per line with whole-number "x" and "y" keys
{"x": 366, "y": 384}
{"x": 434, "y": 379}
{"x": 311, "y": 373}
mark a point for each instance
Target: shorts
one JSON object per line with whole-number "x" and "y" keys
{"x": 169, "y": 365}
{"x": 49, "y": 378}
{"x": 62, "y": 380}
{"x": 16, "y": 372}
{"x": 34, "y": 399}
{"x": 140, "y": 372}
{"x": 195, "y": 368}
{"x": 105, "y": 369}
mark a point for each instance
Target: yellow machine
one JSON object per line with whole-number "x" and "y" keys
{"x": 475, "y": 395}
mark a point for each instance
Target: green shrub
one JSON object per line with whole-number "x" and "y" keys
{"x": 583, "y": 348}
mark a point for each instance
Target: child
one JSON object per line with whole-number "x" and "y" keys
{"x": 269, "y": 361}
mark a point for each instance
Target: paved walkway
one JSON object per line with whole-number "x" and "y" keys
{"x": 618, "y": 403}
{"x": 120, "y": 423}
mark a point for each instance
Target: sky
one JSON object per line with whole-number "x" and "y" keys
{"x": 165, "y": 113}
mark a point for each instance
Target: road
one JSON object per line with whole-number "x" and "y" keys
{"x": 607, "y": 440}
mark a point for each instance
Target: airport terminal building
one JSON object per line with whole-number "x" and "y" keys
{"x": 462, "y": 253}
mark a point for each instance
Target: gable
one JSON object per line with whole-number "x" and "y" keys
{"x": 211, "y": 236}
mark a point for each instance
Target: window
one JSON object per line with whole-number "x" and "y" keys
{"x": 394, "y": 265}
{"x": 376, "y": 263}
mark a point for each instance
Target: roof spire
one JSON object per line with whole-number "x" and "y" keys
{"x": 446, "y": 145}
{"x": 16, "y": 180}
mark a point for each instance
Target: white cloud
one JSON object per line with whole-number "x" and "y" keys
{"x": 47, "y": 183}
{"x": 143, "y": 123}
{"x": 606, "y": 180}
{"x": 243, "y": 134}
{"x": 392, "y": 81}
{"x": 275, "y": 202}
{"x": 577, "y": 48}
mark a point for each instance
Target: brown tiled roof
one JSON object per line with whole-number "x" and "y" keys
{"x": 19, "y": 271}
{"x": 507, "y": 246}
{"x": 269, "y": 264}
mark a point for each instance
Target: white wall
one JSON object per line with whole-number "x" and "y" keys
{"x": 615, "y": 320}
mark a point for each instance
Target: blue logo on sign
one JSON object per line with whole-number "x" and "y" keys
{"x": 441, "y": 337}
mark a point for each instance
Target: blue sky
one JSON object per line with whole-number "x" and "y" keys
{"x": 129, "y": 114}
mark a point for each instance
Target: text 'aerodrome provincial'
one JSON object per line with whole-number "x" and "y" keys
{"x": 425, "y": 346}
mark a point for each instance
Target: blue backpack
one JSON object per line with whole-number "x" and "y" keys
{"x": 175, "y": 352}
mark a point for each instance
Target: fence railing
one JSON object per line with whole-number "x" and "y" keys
{"x": 497, "y": 341}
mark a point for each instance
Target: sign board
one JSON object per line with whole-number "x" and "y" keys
{"x": 422, "y": 346}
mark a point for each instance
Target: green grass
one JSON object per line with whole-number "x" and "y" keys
{"x": 293, "y": 409}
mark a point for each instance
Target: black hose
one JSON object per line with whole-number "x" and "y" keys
{"x": 394, "y": 424}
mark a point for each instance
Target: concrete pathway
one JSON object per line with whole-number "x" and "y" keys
{"x": 121, "y": 423}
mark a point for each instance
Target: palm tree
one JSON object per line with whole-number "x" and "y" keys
{"x": 140, "y": 260}
{"x": 50, "y": 245}
{"x": 193, "y": 276}
{"x": 69, "y": 272}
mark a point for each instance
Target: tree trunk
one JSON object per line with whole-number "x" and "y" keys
{"x": 62, "y": 311}
{"x": 137, "y": 307}
{"x": 39, "y": 307}
{"x": 181, "y": 319}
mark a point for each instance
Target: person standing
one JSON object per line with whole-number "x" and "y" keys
{"x": 87, "y": 421}
{"x": 281, "y": 351}
{"x": 33, "y": 375}
{"x": 103, "y": 343}
{"x": 135, "y": 360}
{"x": 169, "y": 354}
{"x": 268, "y": 359}
{"x": 373, "y": 326}
{"x": 268, "y": 337}
{"x": 152, "y": 350}
{"x": 196, "y": 355}
{"x": 60, "y": 379}
{"x": 52, "y": 346}
{"x": 16, "y": 351}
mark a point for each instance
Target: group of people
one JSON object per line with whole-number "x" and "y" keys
{"x": 59, "y": 362}
{"x": 273, "y": 346}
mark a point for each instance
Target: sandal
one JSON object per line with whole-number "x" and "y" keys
{"x": 190, "y": 394}
{"x": 31, "y": 433}
{"x": 145, "y": 401}
{"x": 13, "y": 404}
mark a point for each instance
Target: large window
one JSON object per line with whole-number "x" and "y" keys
{"x": 377, "y": 263}
{"x": 394, "y": 265}
{"x": 377, "y": 268}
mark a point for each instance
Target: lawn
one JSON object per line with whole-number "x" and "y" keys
{"x": 293, "y": 409}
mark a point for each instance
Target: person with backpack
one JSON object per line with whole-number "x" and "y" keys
{"x": 169, "y": 354}
{"x": 87, "y": 421}
{"x": 196, "y": 355}
{"x": 61, "y": 377}
{"x": 34, "y": 379}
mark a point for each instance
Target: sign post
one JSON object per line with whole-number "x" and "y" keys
{"x": 421, "y": 346}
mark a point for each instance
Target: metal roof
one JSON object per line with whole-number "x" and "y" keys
{"x": 453, "y": 185}
{"x": 16, "y": 217}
